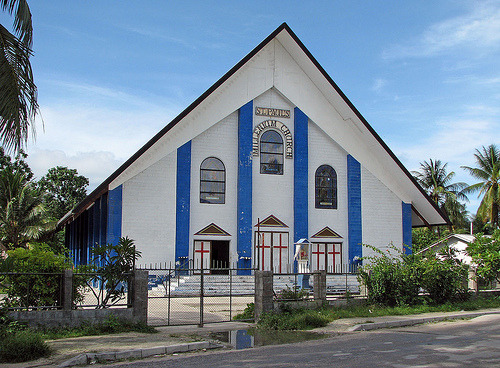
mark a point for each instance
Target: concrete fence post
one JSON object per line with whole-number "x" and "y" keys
{"x": 139, "y": 295}
{"x": 320, "y": 285}
{"x": 472, "y": 281}
{"x": 67, "y": 290}
{"x": 263, "y": 292}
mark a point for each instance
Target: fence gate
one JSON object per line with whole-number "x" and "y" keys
{"x": 187, "y": 296}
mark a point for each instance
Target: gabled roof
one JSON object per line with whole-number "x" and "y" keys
{"x": 465, "y": 238}
{"x": 351, "y": 129}
{"x": 212, "y": 230}
{"x": 271, "y": 221}
{"x": 326, "y": 232}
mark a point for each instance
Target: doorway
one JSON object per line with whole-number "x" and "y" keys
{"x": 220, "y": 257}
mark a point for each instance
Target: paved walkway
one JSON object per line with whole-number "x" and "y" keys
{"x": 66, "y": 349}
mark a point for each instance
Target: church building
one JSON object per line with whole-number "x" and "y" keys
{"x": 272, "y": 153}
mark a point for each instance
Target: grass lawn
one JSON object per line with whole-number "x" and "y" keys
{"x": 303, "y": 319}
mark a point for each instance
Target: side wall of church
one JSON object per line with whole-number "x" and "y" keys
{"x": 149, "y": 207}
{"x": 382, "y": 214}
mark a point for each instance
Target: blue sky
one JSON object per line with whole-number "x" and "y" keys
{"x": 110, "y": 74}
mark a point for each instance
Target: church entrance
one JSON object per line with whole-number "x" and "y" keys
{"x": 271, "y": 251}
{"x": 220, "y": 257}
{"x": 325, "y": 256}
{"x": 211, "y": 256}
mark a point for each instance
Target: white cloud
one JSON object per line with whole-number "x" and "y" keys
{"x": 479, "y": 30}
{"x": 454, "y": 142}
{"x": 93, "y": 129}
{"x": 379, "y": 84}
{"x": 96, "y": 166}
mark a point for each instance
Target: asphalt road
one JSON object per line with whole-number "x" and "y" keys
{"x": 465, "y": 343}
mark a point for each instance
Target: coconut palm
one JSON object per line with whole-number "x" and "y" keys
{"x": 18, "y": 100}
{"x": 437, "y": 182}
{"x": 488, "y": 172}
{"x": 22, "y": 215}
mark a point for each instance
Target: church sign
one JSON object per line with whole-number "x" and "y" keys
{"x": 267, "y": 111}
{"x": 278, "y": 125}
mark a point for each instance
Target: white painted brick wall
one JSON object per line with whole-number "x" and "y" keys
{"x": 273, "y": 194}
{"x": 382, "y": 214}
{"x": 221, "y": 141}
{"x": 148, "y": 213}
{"x": 324, "y": 151}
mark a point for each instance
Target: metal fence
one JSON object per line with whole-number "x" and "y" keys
{"x": 185, "y": 296}
{"x": 293, "y": 286}
{"x": 341, "y": 281}
{"x": 31, "y": 290}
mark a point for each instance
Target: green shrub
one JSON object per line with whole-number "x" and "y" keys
{"x": 23, "y": 346}
{"x": 111, "y": 325}
{"x": 391, "y": 279}
{"x": 248, "y": 313}
{"x": 485, "y": 252}
{"x": 443, "y": 279}
{"x": 294, "y": 293}
{"x": 298, "y": 319}
{"x": 41, "y": 286}
{"x": 110, "y": 267}
{"x": 396, "y": 280}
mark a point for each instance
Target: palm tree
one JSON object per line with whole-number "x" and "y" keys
{"x": 22, "y": 215}
{"x": 437, "y": 182}
{"x": 18, "y": 100}
{"x": 488, "y": 172}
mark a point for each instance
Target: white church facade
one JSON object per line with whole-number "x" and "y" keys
{"x": 272, "y": 153}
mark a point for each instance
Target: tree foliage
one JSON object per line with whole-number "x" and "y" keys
{"x": 64, "y": 189}
{"x": 438, "y": 183}
{"x": 485, "y": 253}
{"x": 422, "y": 238}
{"x": 18, "y": 164}
{"x": 18, "y": 100}
{"x": 396, "y": 278}
{"x": 488, "y": 172}
{"x": 38, "y": 282}
{"x": 110, "y": 269}
{"x": 22, "y": 214}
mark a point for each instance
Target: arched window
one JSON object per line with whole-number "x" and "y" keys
{"x": 326, "y": 187}
{"x": 271, "y": 153}
{"x": 212, "y": 181}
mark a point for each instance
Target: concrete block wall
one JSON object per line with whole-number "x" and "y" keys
{"x": 137, "y": 312}
{"x": 219, "y": 141}
{"x": 149, "y": 197}
{"x": 382, "y": 214}
{"x": 149, "y": 208}
{"x": 273, "y": 194}
{"x": 323, "y": 150}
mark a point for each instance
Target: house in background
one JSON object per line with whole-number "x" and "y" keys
{"x": 457, "y": 243}
{"x": 272, "y": 153}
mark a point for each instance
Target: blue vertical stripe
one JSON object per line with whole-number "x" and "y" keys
{"x": 354, "y": 208}
{"x": 90, "y": 233}
{"x": 104, "y": 218}
{"x": 300, "y": 173}
{"x": 245, "y": 131}
{"x": 407, "y": 225}
{"x": 114, "y": 228}
{"x": 182, "y": 215}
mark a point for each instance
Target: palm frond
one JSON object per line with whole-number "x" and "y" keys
{"x": 22, "y": 19}
{"x": 18, "y": 104}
